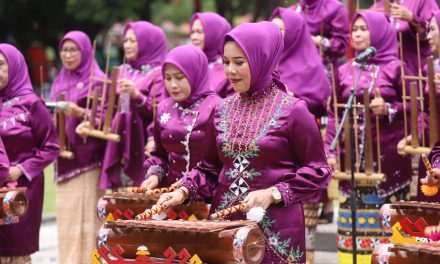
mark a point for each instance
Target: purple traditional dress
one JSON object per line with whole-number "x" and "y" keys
{"x": 384, "y": 70}
{"x": 31, "y": 143}
{"x": 123, "y": 161}
{"x": 328, "y": 19}
{"x": 4, "y": 164}
{"x": 180, "y": 127}
{"x": 259, "y": 139}
{"x": 423, "y": 117}
{"x": 78, "y": 178}
{"x": 300, "y": 66}
{"x": 215, "y": 28}
{"x": 422, "y": 12}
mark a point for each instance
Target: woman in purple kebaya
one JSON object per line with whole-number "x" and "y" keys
{"x": 409, "y": 17}
{"x": 263, "y": 147}
{"x": 327, "y": 22}
{"x": 181, "y": 121}
{"x": 383, "y": 80}
{"x": 207, "y": 31}
{"x": 140, "y": 89}
{"x": 300, "y": 66}
{"x": 78, "y": 178}
{"x": 31, "y": 144}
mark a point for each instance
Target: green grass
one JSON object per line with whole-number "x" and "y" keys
{"x": 49, "y": 191}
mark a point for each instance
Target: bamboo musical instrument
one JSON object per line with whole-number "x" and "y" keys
{"x": 228, "y": 211}
{"x": 369, "y": 177}
{"x": 41, "y": 83}
{"x": 213, "y": 241}
{"x": 368, "y": 144}
{"x": 14, "y": 204}
{"x": 150, "y": 192}
{"x": 414, "y": 148}
{"x": 149, "y": 213}
{"x": 429, "y": 189}
{"x": 105, "y": 133}
{"x": 64, "y": 147}
{"x": 417, "y": 98}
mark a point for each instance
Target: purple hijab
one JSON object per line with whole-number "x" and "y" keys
{"x": 152, "y": 44}
{"x": 301, "y": 62}
{"x": 215, "y": 28}
{"x": 263, "y": 56}
{"x": 314, "y": 9}
{"x": 194, "y": 65}
{"x": 67, "y": 81}
{"x": 19, "y": 83}
{"x": 383, "y": 36}
{"x": 75, "y": 84}
{"x": 436, "y": 14}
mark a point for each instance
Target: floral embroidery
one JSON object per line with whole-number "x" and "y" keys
{"x": 12, "y": 121}
{"x": 164, "y": 118}
{"x": 11, "y": 102}
{"x": 291, "y": 255}
{"x": 227, "y": 199}
{"x": 189, "y": 128}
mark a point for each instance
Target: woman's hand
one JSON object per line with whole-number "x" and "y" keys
{"x": 149, "y": 147}
{"x": 429, "y": 180}
{"x": 171, "y": 199}
{"x": 379, "y": 106}
{"x": 260, "y": 198}
{"x": 81, "y": 127}
{"x": 127, "y": 86}
{"x": 14, "y": 174}
{"x": 75, "y": 110}
{"x": 151, "y": 182}
{"x": 402, "y": 143}
{"x": 333, "y": 163}
{"x": 317, "y": 40}
{"x": 401, "y": 12}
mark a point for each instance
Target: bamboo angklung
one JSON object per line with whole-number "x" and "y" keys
{"x": 105, "y": 133}
{"x": 64, "y": 141}
{"x": 417, "y": 98}
{"x": 369, "y": 177}
{"x": 90, "y": 130}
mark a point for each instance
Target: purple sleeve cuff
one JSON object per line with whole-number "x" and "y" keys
{"x": 286, "y": 193}
{"x": 192, "y": 191}
{"x": 436, "y": 162}
{"x": 157, "y": 170}
{"x": 141, "y": 100}
{"x": 25, "y": 173}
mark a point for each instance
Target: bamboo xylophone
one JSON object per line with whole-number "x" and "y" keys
{"x": 406, "y": 254}
{"x": 13, "y": 204}
{"x": 212, "y": 241}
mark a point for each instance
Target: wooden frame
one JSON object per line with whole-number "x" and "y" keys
{"x": 416, "y": 99}
{"x": 103, "y": 129}
{"x": 369, "y": 177}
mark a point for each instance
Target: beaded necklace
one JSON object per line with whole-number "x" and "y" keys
{"x": 248, "y": 135}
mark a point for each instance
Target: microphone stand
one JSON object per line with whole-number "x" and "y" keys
{"x": 348, "y": 112}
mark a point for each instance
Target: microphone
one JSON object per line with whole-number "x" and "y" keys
{"x": 365, "y": 55}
